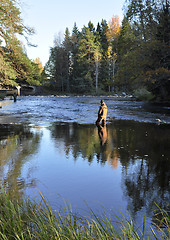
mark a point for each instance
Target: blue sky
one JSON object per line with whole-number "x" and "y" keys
{"x": 51, "y": 17}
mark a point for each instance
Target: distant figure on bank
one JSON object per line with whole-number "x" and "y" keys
{"x": 15, "y": 97}
{"x": 102, "y": 114}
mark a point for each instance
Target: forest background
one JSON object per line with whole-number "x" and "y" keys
{"x": 132, "y": 56}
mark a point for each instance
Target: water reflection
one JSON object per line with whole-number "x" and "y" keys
{"x": 88, "y": 141}
{"x": 123, "y": 164}
{"x": 102, "y": 131}
{"x": 142, "y": 149}
{"x": 17, "y": 143}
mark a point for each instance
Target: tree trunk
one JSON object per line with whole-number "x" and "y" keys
{"x": 97, "y": 74}
{"x": 113, "y": 71}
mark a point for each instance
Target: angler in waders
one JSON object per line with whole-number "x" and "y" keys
{"x": 102, "y": 114}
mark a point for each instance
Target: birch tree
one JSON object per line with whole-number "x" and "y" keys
{"x": 112, "y": 34}
{"x": 97, "y": 58}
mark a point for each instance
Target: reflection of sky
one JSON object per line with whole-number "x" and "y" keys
{"x": 60, "y": 175}
{"x": 55, "y": 169}
{"x": 75, "y": 181}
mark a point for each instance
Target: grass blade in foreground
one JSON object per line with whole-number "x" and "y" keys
{"x": 28, "y": 220}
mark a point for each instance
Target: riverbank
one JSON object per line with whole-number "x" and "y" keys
{"x": 29, "y": 220}
{"x": 115, "y": 97}
{"x": 51, "y": 146}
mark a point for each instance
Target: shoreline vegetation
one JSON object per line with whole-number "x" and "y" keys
{"x": 30, "y": 220}
{"x": 130, "y": 56}
{"x": 117, "y": 96}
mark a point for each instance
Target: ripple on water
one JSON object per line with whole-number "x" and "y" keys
{"x": 79, "y": 109}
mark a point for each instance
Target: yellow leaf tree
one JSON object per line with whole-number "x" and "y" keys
{"x": 39, "y": 63}
{"x": 112, "y": 35}
{"x": 97, "y": 58}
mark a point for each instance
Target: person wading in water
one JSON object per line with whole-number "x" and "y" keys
{"x": 15, "y": 97}
{"x": 102, "y": 114}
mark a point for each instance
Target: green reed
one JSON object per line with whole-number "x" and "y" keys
{"x": 29, "y": 220}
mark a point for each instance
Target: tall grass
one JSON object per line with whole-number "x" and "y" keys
{"x": 29, "y": 220}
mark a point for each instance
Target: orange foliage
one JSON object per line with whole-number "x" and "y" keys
{"x": 113, "y": 31}
{"x": 38, "y": 62}
{"x": 157, "y": 75}
{"x": 113, "y": 158}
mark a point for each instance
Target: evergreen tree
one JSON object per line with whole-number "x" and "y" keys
{"x": 163, "y": 27}
{"x": 142, "y": 54}
{"x": 75, "y": 66}
{"x": 97, "y": 58}
{"x": 127, "y": 63}
{"x": 91, "y": 27}
{"x": 67, "y": 48}
{"x": 88, "y": 47}
{"x": 157, "y": 78}
{"x": 56, "y": 68}
{"x": 101, "y": 30}
{"x": 142, "y": 14}
{"x": 132, "y": 56}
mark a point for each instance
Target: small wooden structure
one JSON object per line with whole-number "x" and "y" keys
{"x": 19, "y": 90}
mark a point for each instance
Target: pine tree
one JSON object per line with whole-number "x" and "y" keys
{"x": 104, "y": 68}
{"x": 89, "y": 57}
{"x": 75, "y": 66}
{"x": 67, "y": 48}
{"x": 143, "y": 52}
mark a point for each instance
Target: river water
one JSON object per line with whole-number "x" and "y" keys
{"x": 51, "y": 144}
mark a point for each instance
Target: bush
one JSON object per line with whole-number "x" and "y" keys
{"x": 143, "y": 94}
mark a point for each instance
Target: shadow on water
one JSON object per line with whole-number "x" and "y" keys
{"x": 83, "y": 162}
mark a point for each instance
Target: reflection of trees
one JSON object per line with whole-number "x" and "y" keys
{"x": 145, "y": 157}
{"x": 102, "y": 132}
{"x": 141, "y": 148}
{"x": 85, "y": 140}
{"x": 78, "y": 139}
{"x": 16, "y": 144}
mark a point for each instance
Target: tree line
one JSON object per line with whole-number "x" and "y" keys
{"x": 131, "y": 56}
{"x": 112, "y": 57}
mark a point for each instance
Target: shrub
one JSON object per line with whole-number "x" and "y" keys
{"x": 143, "y": 94}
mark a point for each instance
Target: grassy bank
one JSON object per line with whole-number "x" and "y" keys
{"x": 28, "y": 220}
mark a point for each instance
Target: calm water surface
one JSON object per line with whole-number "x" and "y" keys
{"x": 51, "y": 144}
